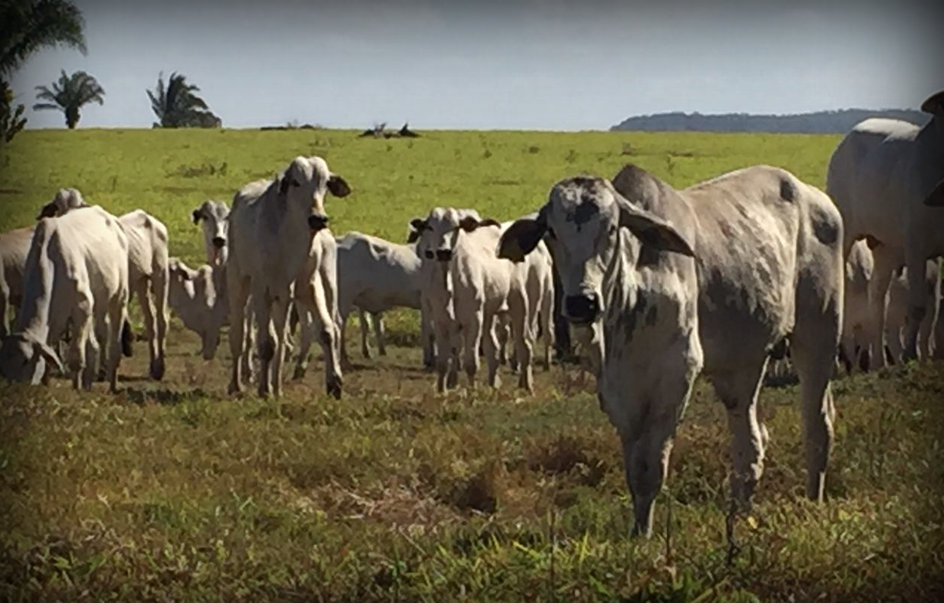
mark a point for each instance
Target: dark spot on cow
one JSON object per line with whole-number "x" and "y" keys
{"x": 586, "y": 210}
{"x": 788, "y": 191}
{"x": 725, "y": 228}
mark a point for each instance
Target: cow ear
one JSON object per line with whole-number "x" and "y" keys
{"x": 651, "y": 229}
{"x": 936, "y": 198}
{"x": 338, "y": 186}
{"x": 283, "y": 184}
{"x": 197, "y": 214}
{"x": 934, "y": 104}
{"x": 48, "y": 211}
{"x": 49, "y": 354}
{"x": 521, "y": 238}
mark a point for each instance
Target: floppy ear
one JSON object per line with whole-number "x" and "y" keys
{"x": 934, "y": 104}
{"x": 413, "y": 237}
{"x": 470, "y": 223}
{"x": 338, "y": 186}
{"x": 197, "y": 214}
{"x": 49, "y": 354}
{"x": 936, "y": 197}
{"x": 522, "y": 237}
{"x": 48, "y": 211}
{"x": 651, "y": 229}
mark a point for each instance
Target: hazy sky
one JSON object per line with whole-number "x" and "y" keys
{"x": 508, "y": 64}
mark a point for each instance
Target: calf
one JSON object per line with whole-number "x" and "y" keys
{"x": 212, "y": 217}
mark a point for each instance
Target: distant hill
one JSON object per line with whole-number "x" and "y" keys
{"x": 821, "y": 122}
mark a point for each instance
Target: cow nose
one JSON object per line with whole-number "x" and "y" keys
{"x": 443, "y": 255}
{"x": 429, "y": 254}
{"x": 582, "y": 308}
{"x": 316, "y": 222}
{"x": 219, "y": 242}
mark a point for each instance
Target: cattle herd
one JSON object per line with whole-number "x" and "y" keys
{"x": 657, "y": 284}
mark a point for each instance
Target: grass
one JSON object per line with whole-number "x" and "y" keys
{"x": 172, "y": 491}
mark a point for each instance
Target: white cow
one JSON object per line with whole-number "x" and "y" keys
{"x": 282, "y": 251}
{"x": 468, "y": 286}
{"x": 147, "y": 268}
{"x": 375, "y": 275}
{"x": 896, "y": 318}
{"x": 855, "y": 346}
{"x": 197, "y": 297}
{"x": 881, "y": 177}
{"x": 768, "y": 266}
{"x": 212, "y": 217}
{"x": 76, "y": 274}
{"x": 14, "y": 247}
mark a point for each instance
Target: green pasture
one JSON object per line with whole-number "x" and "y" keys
{"x": 174, "y": 491}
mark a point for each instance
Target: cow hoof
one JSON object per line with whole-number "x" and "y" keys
{"x": 157, "y": 369}
{"x": 334, "y": 389}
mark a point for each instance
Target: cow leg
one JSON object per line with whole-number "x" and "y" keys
{"x": 279, "y": 317}
{"x": 97, "y": 334}
{"x": 4, "y": 310}
{"x": 928, "y": 325}
{"x": 522, "y": 335}
{"x": 142, "y": 291}
{"x": 472, "y": 337}
{"x": 878, "y": 304}
{"x": 329, "y": 313}
{"x": 238, "y": 293}
{"x": 379, "y": 332}
{"x": 646, "y": 433}
{"x": 738, "y": 392}
{"x": 82, "y": 331}
{"x": 818, "y": 323}
{"x": 547, "y": 324}
{"x": 306, "y": 338}
{"x": 364, "y": 328}
{"x": 117, "y": 315}
{"x": 427, "y": 337}
{"x": 159, "y": 292}
{"x": 893, "y": 336}
{"x": 265, "y": 338}
{"x": 345, "y": 359}
{"x": 501, "y": 331}
{"x": 444, "y": 356}
{"x": 917, "y": 302}
{"x": 490, "y": 346}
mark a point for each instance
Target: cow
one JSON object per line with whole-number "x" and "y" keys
{"x": 468, "y": 286}
{"x": 767, "y": 267}
{"x": 76, "y": 274}
{"x": 884, "y": 176}
{"x": 375, "y": 275}
{"x": 14, "y": 247}
{"x": 197, "y": 297}
{"x": 281, "y": 251}
{"x": 147, "y": 268}
{"x": 212, "y": 217}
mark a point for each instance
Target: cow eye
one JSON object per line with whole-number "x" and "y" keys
{"x": 295, "y": 182}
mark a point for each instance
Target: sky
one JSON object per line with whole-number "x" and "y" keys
{"x": 506, "y": 64}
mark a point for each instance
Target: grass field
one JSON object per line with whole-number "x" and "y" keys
{"x": 171, "y": 491}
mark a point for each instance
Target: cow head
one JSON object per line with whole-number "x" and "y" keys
{"x": 437, "y": 235}
{"x": 212, "y": 217}
{"x": 65, "y": 199}
{"x": 23, "y": 358}
{"x": 585, "y": 216}
{"x": 304, "y": 184}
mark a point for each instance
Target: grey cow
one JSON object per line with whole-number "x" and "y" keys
{"x": 768, "y": 265}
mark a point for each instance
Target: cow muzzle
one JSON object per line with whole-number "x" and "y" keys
{"x": 582, "y": 309}
{"x": 444, "y": 255}
{"x": 219, "y": 242}
{"x": 317, "y": 222}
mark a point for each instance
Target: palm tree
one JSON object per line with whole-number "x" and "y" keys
{"x": 29, "y": 25}
{"x": 69, "y": 94}
{"x": 178, "y": 106}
